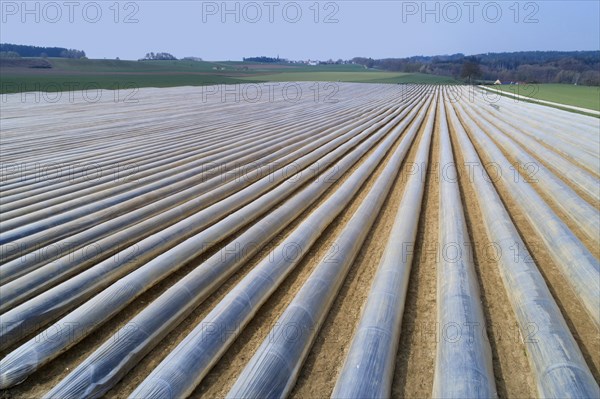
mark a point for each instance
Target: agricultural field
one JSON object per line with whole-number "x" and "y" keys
{"x": 81, "y": 74}
{"x": 579, "y": 96}
{"x": 359, "y": 240}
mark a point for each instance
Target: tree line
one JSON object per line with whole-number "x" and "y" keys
{"x": 266, "y": 60}
{"x": 158, "y": 57}
{"x": 572, "y": 67}
{"x": 17, "y": 50}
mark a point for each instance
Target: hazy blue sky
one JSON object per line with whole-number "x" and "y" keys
{"x": 295, "y": 30}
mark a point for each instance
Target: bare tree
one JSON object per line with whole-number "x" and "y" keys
{"x": 470, "y": 69}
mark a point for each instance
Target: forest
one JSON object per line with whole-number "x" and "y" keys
{"x": 571, "y": 67}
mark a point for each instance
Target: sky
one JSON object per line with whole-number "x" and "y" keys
{"x": 301, "y": 30}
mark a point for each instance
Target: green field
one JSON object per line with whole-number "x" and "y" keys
{"x": 359, "y": 76}
{"x": 70, "y": 74}
{"x": 578, "y": 96}
{"x": 51, "y": 83}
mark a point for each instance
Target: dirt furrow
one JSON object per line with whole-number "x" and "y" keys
{"x": 511, "y": 367}
{"x": 413, "y": 374}
{"x": 321, "y": 369}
